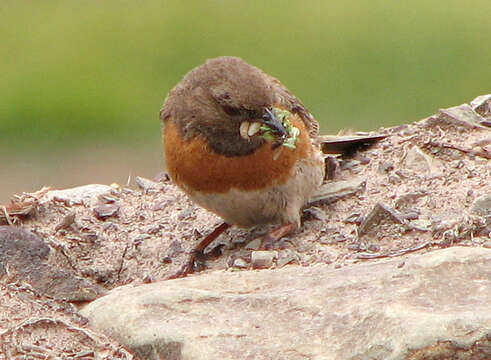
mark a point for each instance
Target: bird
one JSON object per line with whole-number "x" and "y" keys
{"x": 242, "y": 146}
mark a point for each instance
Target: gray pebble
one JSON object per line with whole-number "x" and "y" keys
{"x": 263, "y": 259}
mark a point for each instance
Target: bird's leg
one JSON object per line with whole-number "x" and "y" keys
{"x": 197, "y": 252}
{"x": 276, "y": 234}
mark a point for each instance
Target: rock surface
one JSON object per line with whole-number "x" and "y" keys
{"x": 25, "y": 257}
{"x": 115, "y": 236}
{"x": 422, "y": 188}
{"x": 372, "y": 311}
{"x": 78, "y": 195}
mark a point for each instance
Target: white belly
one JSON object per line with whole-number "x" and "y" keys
{"x": 278, "y": 204}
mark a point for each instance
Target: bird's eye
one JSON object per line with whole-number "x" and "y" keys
{"x": 230, "y": 110}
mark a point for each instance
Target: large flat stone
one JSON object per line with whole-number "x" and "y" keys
{"x": 432, "y": 305}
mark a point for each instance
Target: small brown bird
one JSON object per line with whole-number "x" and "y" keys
{"x": 241, "y": 145}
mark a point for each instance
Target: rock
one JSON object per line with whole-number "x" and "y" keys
{"x": 408, "y": 199}
{"x": 20, "y": 249}
{"x": 103, "y": 211}
{"x": 240, "y": 263}
{"x": 253, "y": 245}
{"x": 24, "y": 258}
{"x": 333, "y": 191}
{"x": 420, "y": 225}
{"x": 482, "y": 105}
{"x": 411, "y": 215}
{"x": 482, "y": 205}
{"x": 263, "y": 259}
{"x": 87, "y": 194}
{"x": 354, "y": 218}
{"x": 287, "y": 257}
{"x": 417, "y": 160}
{"x": 435, "y": 306}
{"x": 107, "y": 199}
{"x": 67, "y": 221}
{"x": 316, "y": 213}
{"x": 146, "y": 185}
{"x": 461, "y": 116}
{"x": 62, "y": 285}
{"x": 378, "y": 213}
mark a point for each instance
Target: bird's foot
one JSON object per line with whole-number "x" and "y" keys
{"x": 197, "y": 259}
{"x": 268, "y": 241}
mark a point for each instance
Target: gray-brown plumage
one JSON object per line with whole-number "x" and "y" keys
{"x": 224, "y": 127}
{"x": 213, "y": 99}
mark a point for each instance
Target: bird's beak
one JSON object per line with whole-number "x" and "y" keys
{"x": 271, "y": 120}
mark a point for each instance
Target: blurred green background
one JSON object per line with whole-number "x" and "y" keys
{"x": 82, "y": 82}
